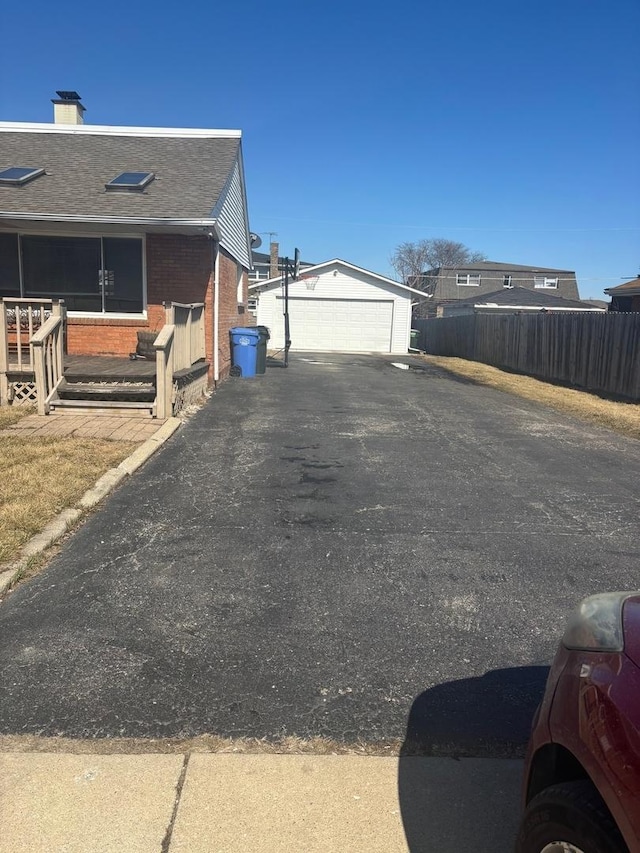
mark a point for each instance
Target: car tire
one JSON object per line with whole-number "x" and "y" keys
{"x": 572, "y": 813}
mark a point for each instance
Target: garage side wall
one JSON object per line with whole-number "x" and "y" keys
{"x": 339, "y": 291}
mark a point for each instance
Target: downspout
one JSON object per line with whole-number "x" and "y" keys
{"x": 215, "y": 252}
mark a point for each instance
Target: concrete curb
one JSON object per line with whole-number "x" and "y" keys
{"x": 61, "y": 523}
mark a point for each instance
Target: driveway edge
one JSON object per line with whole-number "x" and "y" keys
{"x": 59, "y": 525}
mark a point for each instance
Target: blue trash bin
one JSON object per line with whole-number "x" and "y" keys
{"x": 244, "y": 349}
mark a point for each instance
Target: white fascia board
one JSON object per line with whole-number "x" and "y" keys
{"x": 337, "y": 261}
{"x": 115, "y": 130}
{"x": 210, "y": 224}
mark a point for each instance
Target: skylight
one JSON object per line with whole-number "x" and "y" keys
{"x": 19, "y": 175}
{"x": 131, "y": 181}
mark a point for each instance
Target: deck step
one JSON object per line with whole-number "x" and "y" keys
{"x": 102, "y": 407}
{"x": 143, "y": 392}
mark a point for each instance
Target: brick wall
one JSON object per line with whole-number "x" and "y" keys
{"x": 89, "y": 336}
{"x": 231, "y": 313}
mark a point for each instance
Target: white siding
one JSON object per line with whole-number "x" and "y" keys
{"x": 344, "y": 288}
{"x": 232, "y": 219}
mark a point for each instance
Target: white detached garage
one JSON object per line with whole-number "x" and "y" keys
{"x": 338, "y": 306}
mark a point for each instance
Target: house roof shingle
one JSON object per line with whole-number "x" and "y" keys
{"x": 629, "y": 287}
{"x": 524, "y": 297}
{"x": 191, "y": 170}
{"x": 498, "y": 266}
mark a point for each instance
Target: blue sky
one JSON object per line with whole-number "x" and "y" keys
{"x": 512, "y": 127}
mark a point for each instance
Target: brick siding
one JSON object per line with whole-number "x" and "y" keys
{"x": 231, "y": 313}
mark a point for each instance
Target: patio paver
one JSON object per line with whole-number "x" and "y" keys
{"x": 110, "y": 427}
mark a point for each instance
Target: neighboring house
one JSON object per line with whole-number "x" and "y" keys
{"x": 514, "y": 300}
{"x": 448, "y": 285}
{"x": 266, "y": 266}
{"x": 338, "y": 306}
{"x": 118, "y": 221}
{"x": 625, "y": 297}
{"x": 262, "y": 266}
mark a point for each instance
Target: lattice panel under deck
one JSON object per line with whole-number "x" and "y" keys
{"x": 24, "y": 392}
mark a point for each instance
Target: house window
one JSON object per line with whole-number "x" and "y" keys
{"x": 468, "y": 279}
{"x": 506, "y": 281}
{"x": 545, "y": 281}
{"x": 100, "y": 275}
{"x": 252, "y": 304}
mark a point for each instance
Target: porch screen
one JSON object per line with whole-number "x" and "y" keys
{"x": 122, "y": 275}
{"x": 92, "y": 274}
{"x": 9, "y": 265}
{"x": 63, "y": 268}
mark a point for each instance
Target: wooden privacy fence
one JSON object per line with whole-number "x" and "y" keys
{"x": 595, "y": 351}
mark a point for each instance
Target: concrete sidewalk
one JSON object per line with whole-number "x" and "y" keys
{"x": 203, "y": 803}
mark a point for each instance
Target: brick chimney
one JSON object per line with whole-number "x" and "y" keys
{"x": 273, "y": 260}
{"x": 67, "y": 108}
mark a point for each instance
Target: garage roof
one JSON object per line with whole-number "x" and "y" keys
{"x": 318, "y": 269}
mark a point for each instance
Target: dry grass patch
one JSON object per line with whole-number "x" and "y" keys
{"x": 619, "y": 416}
{"x": 10, "y": 415}
{"x": 39, "y": 477}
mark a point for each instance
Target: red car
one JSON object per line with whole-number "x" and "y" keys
{"x": 582, "y": 772}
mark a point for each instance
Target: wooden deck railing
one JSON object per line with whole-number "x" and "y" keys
{"x": 189, "y": 331}
{"x": 48, "y": 360}
{"x": 20, "y": 320}
{"x": 180, "y": 344}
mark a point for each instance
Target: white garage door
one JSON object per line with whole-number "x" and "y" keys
{"x": 347, "y": 325}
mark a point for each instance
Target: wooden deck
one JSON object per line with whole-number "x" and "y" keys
{"x": 87, "y": 368}
{"x": 35, "y": 369}
{"x": 95, "y": 368}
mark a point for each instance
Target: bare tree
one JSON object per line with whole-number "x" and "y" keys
{"x": 412, "y": 260}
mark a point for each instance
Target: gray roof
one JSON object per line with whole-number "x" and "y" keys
{"x": 264, "y": 258}
{"x": 442, "y": 282}
{"x": 524, "y": 296}
{"x": 629, "y": 288}
{"x": 501, "y": 267}
{"x": 191, "y": 171}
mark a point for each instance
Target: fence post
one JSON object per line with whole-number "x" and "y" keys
{"x": 4, "y": 355}
{"x": 188, "y": 359}
{"x": 40, "y": 376}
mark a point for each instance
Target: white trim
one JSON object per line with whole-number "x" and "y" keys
{"x": 216, "y": 312}
{"x": 272, "y": 282}
{"x": 210, "y": 224}
{"x": 108, "y": 315}
{"x": 115, "y": 130}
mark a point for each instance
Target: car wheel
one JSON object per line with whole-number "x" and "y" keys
{"x": 569, "y": 818}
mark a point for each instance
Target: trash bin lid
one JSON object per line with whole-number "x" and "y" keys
{"x": 248, "y": 331}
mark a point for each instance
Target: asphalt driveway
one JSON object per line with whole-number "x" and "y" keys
{"x": 342, "y": 548}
